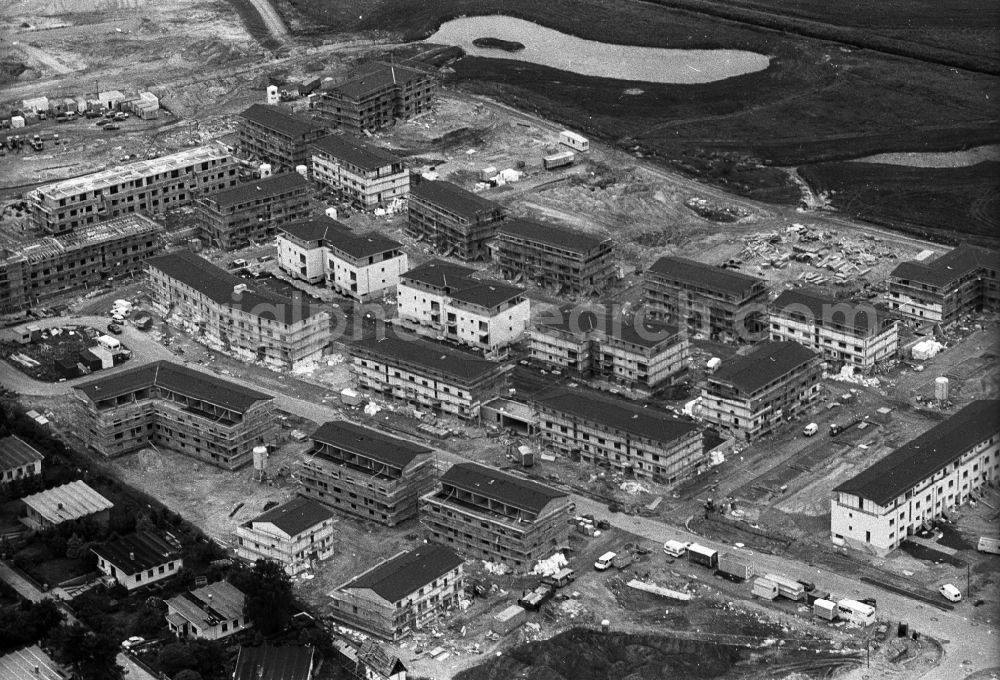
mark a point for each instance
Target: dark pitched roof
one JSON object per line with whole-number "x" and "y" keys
{"x": 638, "y": 421}
{"x": 137, "y": 552}
{"x": 947, "y": 268}
{"x": 369, "y": 443}
{"x": 177, "y": 378}
{"x": 570, "y": 239}
{"x": 14, "y": 452}
{"x": 316, "y": 229}
{"x": 375, "y": 77}
{"x": 922, "y": 457}
{"x": 430, "y": 355}
{"x": 278, "y": 120}
{"x": 457, "y": 282}
{"x": 515, "y": 491}
{"x": 219, "y": 285}
{"x": 399, "y": 576}
{"x": 858, "y": 317}
{"x": 452, "y": 197}
{"x": 297, "y": 515}
{"x": 356, "y": 152}
{"x": 363, "y": 245}
{"x": 267, "y": 187}
{"x": 596, "y": 320}
{"x": 765, "y": 363}
{"x": 705, "y": 275}
{"x": 266, "y": 662}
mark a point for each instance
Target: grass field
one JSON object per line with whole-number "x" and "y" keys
{"x": 819, "y": 101}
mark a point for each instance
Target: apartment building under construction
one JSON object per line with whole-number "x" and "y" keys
{"x": 273, "y": 135}
{"x": 253, "y": 212}
{"x": 491, "y": 515}
{"x": 90, "y": 256}
{"x": 376, "y": 96}
{"x": 456, "y": 222}
{"x": 150, "y": 187}
{"x": 175, "y": 407}
{"x": 366, "y": 473}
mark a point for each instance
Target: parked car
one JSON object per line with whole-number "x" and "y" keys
{"x": 115, "y": 328}
{"x": 950, "y": 592}
{"x": 810, "y": 429}
{"x": 133, "y": 641}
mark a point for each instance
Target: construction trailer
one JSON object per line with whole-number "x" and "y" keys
{"x": 765, "y": 588}
{"x": 508, "y": 620}
{"x": 574, "y": 141}
{"x": 735, "y": 567}
{"x": 706, "y": 557}
{"x": 989, "y": 545}
{"x": 558, "y": 160}
{"x": 793, "y": 590}
{"x": 854, "y": 612}
{"x": 825, "y": 609}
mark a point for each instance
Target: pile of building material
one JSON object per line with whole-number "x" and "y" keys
{"x": 551, "y": 565}
{"x": 658, "y": 590}
{"x": 926, "y": 349}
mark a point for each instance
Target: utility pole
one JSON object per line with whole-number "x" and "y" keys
{"x": 968, "y": 580}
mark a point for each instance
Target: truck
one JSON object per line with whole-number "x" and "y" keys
{"x": 561, "y": 578}
{"x": 735, "y": 567}
{"x": 989, "y": 545}
{"x": 534, "y": 599}
{"x": 837, "y": 428}
{"x": 793, "y": 590}
{"x": 622, "y": 560}
{"x": 558, "y": 160}
{"x": 604, "y": 561}
{"x": 765, "y": 588}
{"x": 706, "y": 557}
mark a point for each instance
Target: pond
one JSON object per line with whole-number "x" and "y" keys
{"x": 547, "y": 47}
{"x": 936, "y": 159}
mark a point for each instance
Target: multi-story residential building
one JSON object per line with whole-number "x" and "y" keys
{"x": 402, "y": 594}
{"x": 444, "y": 300}
{"x": 718, "y": 303}
{"x": 566, "y": 261}
{"x": 150, "y": 187}
{"x": 363, "y": 173}
{"x": 646, "y": 442}
{"x": 176, "y": 407}
{"x": 271, "y": 662}
{"x": 70, "y": 502}
{"x": 364, "y": 266}
{"x": 366, "y": 473}
{"x": 138, "y": 559}
{"x": 611, "y": 349}
{"x": 18, "y": 459}
{"x": 273, "y": 135}
{"x": 456, "y": 222}
{"x": 247, "y": 321}
{"x": 302, "y": 251}
{"x": 429, "y": 374}
{"x": 376, "y": 96}
{"x": 880, "y": 507}
{"x": 253, "y": 212}
{"x": 296, "y": 535}
{"x": 962, "y": 280}
{"x": 492, "y": 515}
{"x": 92, "y": 255}
{"x": 854, "y": 333}
{"x": 211, "y": 612}
{"x": 751, "y": 395}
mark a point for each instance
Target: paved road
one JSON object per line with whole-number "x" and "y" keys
{"x": 965, "y": 640}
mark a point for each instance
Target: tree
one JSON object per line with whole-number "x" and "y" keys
{"x": 188, "y": 674}
{"x": 175, "y": 657}
{"x": 91, "y": 655}
{"x": 75, "y": 547}
{"x": 27, "y": 623}
{"x": 268, "y": 591}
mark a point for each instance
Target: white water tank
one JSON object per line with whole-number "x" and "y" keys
{"x": 941, "y": 389}
{"x": 272, "y": 94}
{"x": 260, "y": 458}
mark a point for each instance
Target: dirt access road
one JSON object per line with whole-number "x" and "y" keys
{"x": 969, "y": 646}
{"x": 275, "y": 26}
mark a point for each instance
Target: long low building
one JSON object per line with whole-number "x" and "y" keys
{"x": 236, "y": 316}
{"x": 961, "y": 281}
{"x": 366, "y": 473}
{"x": 89, "y": 257}
{"x": 625, "y": 437}
{"x": 428, "y": 374}
{"x": 139, "y": 559}
{"x": 496, "y": 516}
{"x": 70, "y": 502}
{"x": 150, "y": 187}
{"x": 879, "y": 508}
{"x": 402, "y": 594}
{"x": 178, "y": 408}
{"x": 853, "y": 333}
{"x": 18, "y": 459}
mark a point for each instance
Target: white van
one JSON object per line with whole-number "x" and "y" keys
{"x": 604, "y": 561}
{"x": 810, "y": 429}
{"x": 675, "y": 548}
{"x": 950, "y": 592}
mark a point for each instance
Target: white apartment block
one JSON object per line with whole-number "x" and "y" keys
{"x": 443, "y": 300}
{"x": 297, "y": 535}
{"x": 879, "y": 508}
{"x": 366, "y": 266}
{"x": 302, "y": 252}
{"x": 363, "y": 173}
{"x": 850, "y": 332}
